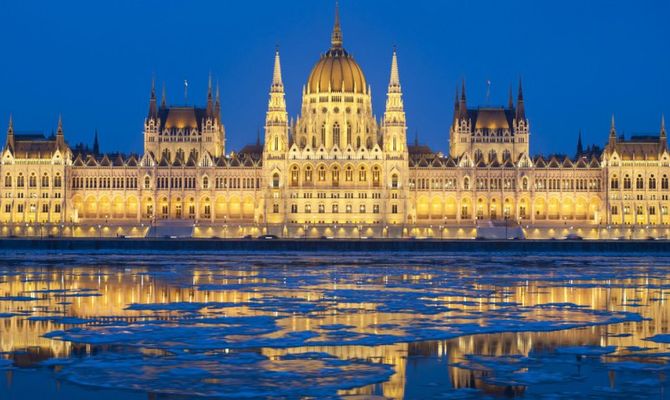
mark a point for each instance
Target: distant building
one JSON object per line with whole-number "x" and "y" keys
{"x": 333, "y": 171}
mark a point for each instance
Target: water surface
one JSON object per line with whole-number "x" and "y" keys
{"x": 161, "y": 325}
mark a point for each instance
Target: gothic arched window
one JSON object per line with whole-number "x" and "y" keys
{"x": 614, "y": 182}
{"x": 652, "y": 182}
{"x": 664, "y": 182}
{"x": 323, "y": 134}
{"x": 626, "y": 182}
{"x": 639, "y": 182}
{"x": 348, "y": 134}
{"x": 336, "y": 134}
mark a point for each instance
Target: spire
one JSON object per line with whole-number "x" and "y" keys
{"x": 580, "y": 148}
{"x": 520, "y": 109}
{"x": 96, "y": 144}
{"x": 277, "y": 84}
{"x": 10, "y": 132}
{"x": 210, "y": 104}
{"x": 662, "y": 125}
{"x": 462, "y": 105}
{"x": 394, "y": 82}
{"x": 59, "y": 132}
{"x": 612, "y": 127}
{"x": 217, "y": 102}
{"x": 336, "y": 37}
{"x": 153, "y": 112}
{"x": 163, "y": 97}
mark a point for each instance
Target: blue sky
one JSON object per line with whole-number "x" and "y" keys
{"x": 93, "y": 61}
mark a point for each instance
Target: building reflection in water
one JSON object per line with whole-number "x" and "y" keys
{"x": 105, "y": 294}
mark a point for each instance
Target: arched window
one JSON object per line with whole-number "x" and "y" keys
{"x": 639, "y": 182}
{"x": 614, "y": 182}
{"x": 626, "y": 182}
{"x": 323, "y": 134}
{"x": 348, "y": 134}
{"x": 33, "y": 181}
{"x": 336, "y": 134}
{"x": 294, "y": 176}
{"x": 524, "y": 183}
{"x": 147, "y": 182}
{"x": 276, "y": 143}
{"x": 336, "y": 176}
{"x": 20, "y": 182}
{"x": 394, "y": 145}
{"x": 652, "y": 182}
{"x": 322, "y": 173}
{"x": 349, "y": 174}
{"x": 58, "y": 181}
{"x": 664, "y": 182}
{"x": 506, "y": 155}
{"x": 362, "y": 176}
{"x": 478, "y": 155}
{"x": 466, "y": 183}
{"x": 45, "y": 180}
{"x": 358, "y": 142}
{"x": 308, "y": 174}
{"x": 314, "y": 142}
{"x": 492, "y": 156}
{"x": 394, "y": 181}
{"x": 180, "y": 154}
{"x": 275, "y": 180}
{"x": 205, "y": 182}
{"x": 8, "y": 180}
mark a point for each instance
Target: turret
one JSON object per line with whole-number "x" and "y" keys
{"x": 276, "y": 119}
{"x": 612, "y": 138}
{"x": 394, "y": 126}
{"x": 520, "y": 108}
{"x": 210, "y": 101}
{"x": 10, "y": 133}
{"x": 662, "y": 136}
{"x": 96, "y": 144}
{"x": 153, "y": 110}
{"x": 462, "y": 105}
{"x": 60, "y": 139}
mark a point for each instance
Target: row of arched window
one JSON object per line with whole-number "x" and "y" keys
{"x": 639, "y": 182}
{"x": 45, "y": 180}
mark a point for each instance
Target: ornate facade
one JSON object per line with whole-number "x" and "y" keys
{"x": 333, "y": 171}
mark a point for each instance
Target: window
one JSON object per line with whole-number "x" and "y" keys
{"x": 362, "y": 175}
{"x": 524, "y": 183}
{"x": 308, "y": 174}
{"x": 308, "y": 208}
{"x": 20, "y": 208}
{"x": 336, "y": 134}
{"x": 45, "y": 180}
{"x": 362, "y": 208}
{"x": 32, "y": 181}
{"x": 322, "y": 208}
{"x": 652, "y": 210}
{"x": 58, "y": 181}
{"x": 275, "y": 208}
{"x": 394, "y": 208}
{"x": 205, "y": 182}
{"x": 147, "y": 182}
{"x": 349, "y": 174}
{"x": 45, "y": 208}
{"x": 614, "y": 182}
{"x": 492, "y": 156}
{"x": 466, "y": 183}
{"x": 394, "y": 181}
{"x": 336, "y": 208}
{"x": 664, "y": 182}
{"x": 294, "y": 208}
{"x": 348, "y": 134}
{"x": 323, "y": 134}
{"x": 639, "y": 182}
{"x": 626, "y": 182}
{"x": 275, "y": 180}
{"x": 652, "y": 182}
{"x": 294, "y": 176}
{"x": 20, "y": 181}
{"x": 8, "y": 181}
{"x": 375, "y": 208}
{"x": 8, "y": 207}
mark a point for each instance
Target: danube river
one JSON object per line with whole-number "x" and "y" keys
{"x": 79, "y": 325}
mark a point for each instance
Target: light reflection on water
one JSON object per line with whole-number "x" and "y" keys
{"x": 368, "y": 310}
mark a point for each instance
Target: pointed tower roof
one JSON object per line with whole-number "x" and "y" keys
{"x": 510, "y": 99}
{"x": 96, "y": 144}
{"x": 210, "y": 103}
{"x": 394, "y": 81}
{"x": 60, "y": 125}
{"x": 163, "y": 97}
{"x": 10, "y": 126}
{"x": 277, "y": 83}
{"x": 153, "y": 111}
{"x": 580, "y": 147}
{"x": 336, "y": 36}
{"x": 662, "y": 125}
{"x": 520, "y": 108}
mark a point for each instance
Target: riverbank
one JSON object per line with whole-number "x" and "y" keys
{"x": 339, "y": 245}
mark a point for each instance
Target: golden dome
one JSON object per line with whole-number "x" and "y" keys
{"x": 336, "y": 70}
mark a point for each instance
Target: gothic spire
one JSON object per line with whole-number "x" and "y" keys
{"x": 394, "y": 81}
{"x": 462, "y": 105}
{"x": 10, "y": 132}
{"x": 277, "y": 84}
{"x": 520, "y": 108}
{"x": 463, "y": 90}
{"x": 210, "y": 104}
{"x": 59, "y": 132}
{"x": 580, "y": 147}
{"x": 217, "y": 102}
{"x": 662, "y": 125}
{"x": 153, "y": 112}
{"x": 163, "y": 97}
{"x": 336, "y": 37}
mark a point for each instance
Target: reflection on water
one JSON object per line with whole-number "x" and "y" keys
{"x": 502, "y": 326}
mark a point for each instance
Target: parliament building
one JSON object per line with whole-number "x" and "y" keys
{"x": 333, "y": 171}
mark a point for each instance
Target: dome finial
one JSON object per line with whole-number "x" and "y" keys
{"x": 336, "y": 37}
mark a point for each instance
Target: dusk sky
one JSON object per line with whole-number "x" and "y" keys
{"x": 92, "y": 62}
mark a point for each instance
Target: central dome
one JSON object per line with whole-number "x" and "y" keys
{"x": 336, "y": 71}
